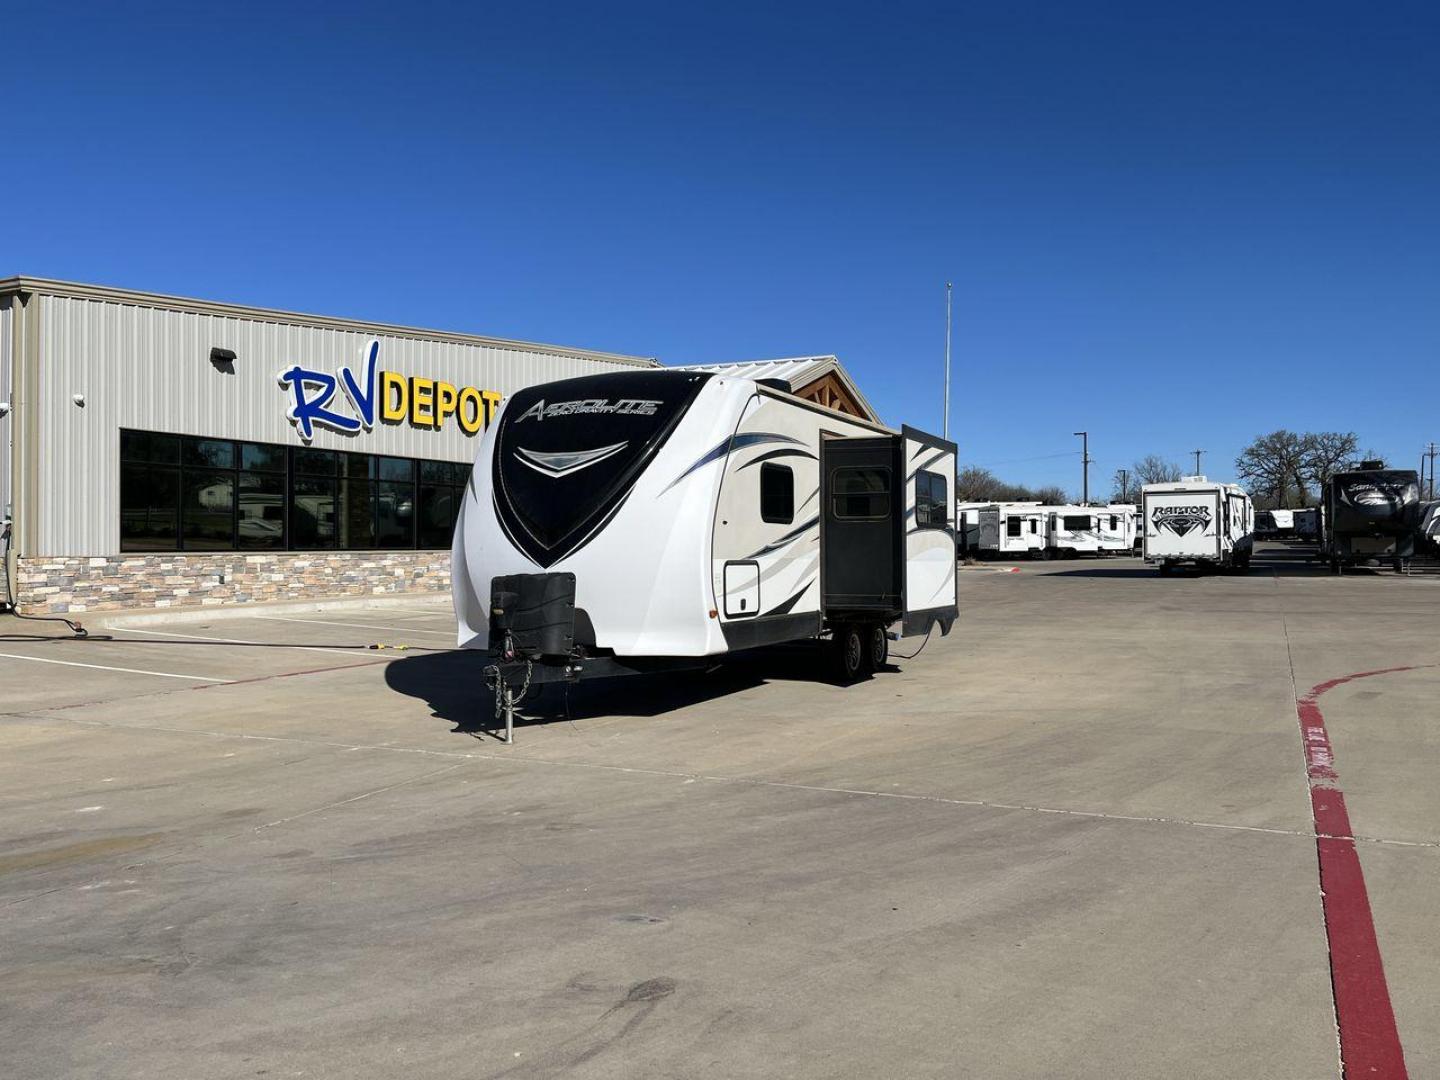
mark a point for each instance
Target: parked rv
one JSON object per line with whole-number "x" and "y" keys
{"x": 1274, "y": 524}
{"x": 1012, "y": 529}
{"x": 1307, "y": 523}
{"x": 1071, "y": 531}
{"x": 1428, "y": 537}
{"x": 967, "y": 527}
{"x": 1371, "y": 513}
{"x": 1118, "y": 534}
{"x": 1197, "y": 521}
{"x": 625, "y": 522}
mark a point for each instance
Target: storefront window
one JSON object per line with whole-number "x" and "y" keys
{"x": 180, "y": 493}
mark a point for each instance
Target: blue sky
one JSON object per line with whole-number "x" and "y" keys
{"x": 1177, "y": 226}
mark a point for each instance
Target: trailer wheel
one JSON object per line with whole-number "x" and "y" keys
{"x": 1166, "y": 566}
{"x": 877, "y": 651}
{"x": 847, "y": 654}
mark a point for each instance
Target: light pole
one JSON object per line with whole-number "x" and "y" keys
{"x": 948, "y": 287}
{"x": 1197, "y": 454}
{"x": 1084, "y": 466}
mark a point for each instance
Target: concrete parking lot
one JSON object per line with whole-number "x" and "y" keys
{"x": 1073, "y": 839}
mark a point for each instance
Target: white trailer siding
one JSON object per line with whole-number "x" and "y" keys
{"x": 1012, "y": 529}
{"x": 1072, "y": 530}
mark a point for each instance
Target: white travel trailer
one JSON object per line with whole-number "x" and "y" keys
{"x": 967, "y": 526}
{"x": 1012, "y": 529}
{"x": 1197, "y": 521}
{"x": 1118, "y": 534}
{"x": 625, "y": 522}
{"x": 1071, "y": 531}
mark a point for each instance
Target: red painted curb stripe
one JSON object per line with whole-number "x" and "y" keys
{"x": 1369, "y": 1040}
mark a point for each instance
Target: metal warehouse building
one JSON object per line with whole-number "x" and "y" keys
{"x": 158, "y": 451}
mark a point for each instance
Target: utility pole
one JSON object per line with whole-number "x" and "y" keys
{"x": 1197, "y": 454}
{"x": 948, "y": 287}
{"x": 1430, "y": 452}
{"x": 1085, "y": 466}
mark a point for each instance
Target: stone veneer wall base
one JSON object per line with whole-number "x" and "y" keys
{"x": 64, "y": 584}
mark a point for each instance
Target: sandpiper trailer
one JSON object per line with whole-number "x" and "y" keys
{"x": 1371, "y": 513}
{"x": 1012, "y": 529}
{"x": 1071, "y": 531}
{"x": 628, "y": 522}
{"x": 1197, "y": 521}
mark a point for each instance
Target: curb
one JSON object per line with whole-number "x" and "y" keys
{"x": 163, "y": 616}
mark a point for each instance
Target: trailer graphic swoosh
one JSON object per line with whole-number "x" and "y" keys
{"x": 565, "y": 462}
{"x": 793, "y": 534}
{"x": 734, "y": 442}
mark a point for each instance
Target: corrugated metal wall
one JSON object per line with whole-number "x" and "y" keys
{"x": 7, "y": 423}
{"x": 148, "y": 368}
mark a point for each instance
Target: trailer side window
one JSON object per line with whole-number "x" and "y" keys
{"x": 1034, "y": 525}
{"x": 1012, "y": 526}
{"x": 860, "y": 492}
{"x": 777, "y": 494}
{"x": 1078, "y": 522}
{"x": 930, "y": 501}
{"x": 1114, "y": 522}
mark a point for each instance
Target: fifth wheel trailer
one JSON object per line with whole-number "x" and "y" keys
{"x": 1012, "y": 529}
{"x": 626, "y": 522}
{"x": 1197, "y": 521}
{"x": 1371, "y": 513}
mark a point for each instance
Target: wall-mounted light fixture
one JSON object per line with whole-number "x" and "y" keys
{"x": 223, "y": 359}
{"x": 4, "y": 408}
{"x": 78, "y": 399}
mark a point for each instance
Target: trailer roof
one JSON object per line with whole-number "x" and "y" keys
{"x": 798, "y": 371}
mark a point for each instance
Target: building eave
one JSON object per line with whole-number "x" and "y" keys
{"x": 105, "y": 293}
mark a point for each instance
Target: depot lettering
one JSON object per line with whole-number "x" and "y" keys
{"x": 347, "y": 402}
{"x": 425, "y": 402}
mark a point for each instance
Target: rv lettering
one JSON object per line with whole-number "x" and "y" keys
{"x": 589, "y": 407}
{"x": 421, "y": 402}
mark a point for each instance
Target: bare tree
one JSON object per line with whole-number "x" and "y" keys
{"x": 1052, "y": 495}
{"x": 1272, "y": 463}
{"x": 1124, "y": 487}
{"x": 1326, "y": 453}
{"x": 1153, "y": 469}
{"x": 974, "y": 484}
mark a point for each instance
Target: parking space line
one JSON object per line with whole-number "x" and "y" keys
{"x": 354, "y": 626}
{"x": 229, "y": 640}
{"x": 107, "y": 667}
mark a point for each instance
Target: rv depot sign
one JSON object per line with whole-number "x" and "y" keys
{"x": 348, "y": 403}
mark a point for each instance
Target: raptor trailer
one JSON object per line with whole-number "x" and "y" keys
{"x": 1197, "y": 521}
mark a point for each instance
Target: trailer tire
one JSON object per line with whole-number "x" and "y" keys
{"x": 877, "y": 647}
{"x": 847, "y": 654}
{"x": 1166, "y": 566}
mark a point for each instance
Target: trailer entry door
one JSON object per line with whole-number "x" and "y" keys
{"x": 862, "y": 494}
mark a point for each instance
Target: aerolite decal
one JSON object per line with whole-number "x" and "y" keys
{"x": 589, "y": 407}
{"x": 1181, "y": 519}
{"x": 563, "y": 463}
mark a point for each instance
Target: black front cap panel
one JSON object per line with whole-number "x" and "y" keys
{"x": 568, "y": 453}
{"x": 1382, "y": 501}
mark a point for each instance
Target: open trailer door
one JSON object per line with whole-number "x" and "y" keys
{"x": 930, "y": 595}
{"x": 862, "y": 484}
